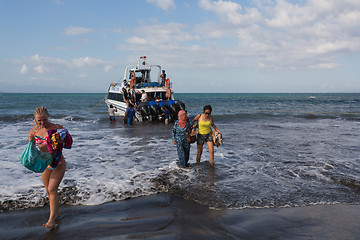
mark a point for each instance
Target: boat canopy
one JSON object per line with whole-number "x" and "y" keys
{"x": 144, "y": 73}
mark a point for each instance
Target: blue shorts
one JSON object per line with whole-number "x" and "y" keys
{"x": 129, "y": 121}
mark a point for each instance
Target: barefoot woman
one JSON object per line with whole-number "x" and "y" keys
{"x": 50, "y": 177}
{"x": 205, "y": 122}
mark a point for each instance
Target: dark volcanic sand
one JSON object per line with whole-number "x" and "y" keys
{"x": 165, "y": 216}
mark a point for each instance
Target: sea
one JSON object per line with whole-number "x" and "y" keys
{"x": 279, "y": 150}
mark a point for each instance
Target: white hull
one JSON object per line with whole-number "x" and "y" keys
{"x": 120, "y": 108}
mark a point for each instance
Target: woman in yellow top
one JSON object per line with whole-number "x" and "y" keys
{"x": 205, "y": 134}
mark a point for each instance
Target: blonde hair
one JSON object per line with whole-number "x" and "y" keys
{"x": 41, "y": 110}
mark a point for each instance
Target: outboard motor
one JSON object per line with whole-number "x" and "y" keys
{"x": 154, "y": 109}
{"x": 144, "y": 110}
{"x": 181, "y": 105}
{"x": 162, "y": 107}
{"x": 174, "y": 108}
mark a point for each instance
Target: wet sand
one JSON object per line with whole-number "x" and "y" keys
{"x": 164, "y": 216}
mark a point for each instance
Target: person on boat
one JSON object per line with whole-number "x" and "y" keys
{"x": 132, "y": 78}
{"x": 129, "y": 115}
{"x": 168, "y": 93}
{"x": 126, "y": 94}
{"x": 132, "y": 96}
{"x": 123, "y": 85}
{"x": 112, "y": 110}
{"x": 163, "y": 78}
{"x": 52, "y": 176}
{"x": 205, "y": 122}
{"x": 179, "y": 138}
{"x": 144, "y": 96}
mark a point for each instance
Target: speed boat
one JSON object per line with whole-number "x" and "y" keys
{"x": 149, "y": 80}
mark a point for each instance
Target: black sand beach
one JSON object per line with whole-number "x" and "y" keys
{"x": 164, "y": 216}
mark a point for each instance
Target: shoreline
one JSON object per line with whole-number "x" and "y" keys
{"x": 165, "y": 216}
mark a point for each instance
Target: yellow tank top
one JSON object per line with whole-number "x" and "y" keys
{"x": 204, "y": 127}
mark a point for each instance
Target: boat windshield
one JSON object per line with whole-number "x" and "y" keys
{"x": 144, "y": 74}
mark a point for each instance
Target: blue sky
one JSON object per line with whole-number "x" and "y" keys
{"x": 205, "y": 45}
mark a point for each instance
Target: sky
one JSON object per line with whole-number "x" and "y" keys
{"x": 205, "y": 46}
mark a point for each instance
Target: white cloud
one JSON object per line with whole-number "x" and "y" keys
{"x": 24, "y": 69}
{"x": 77, "y": 30}
{"x": 327, "y": 47}
{"x": 162, "y": 34}
{"x": 280, "y": 34}
{"x": 324, "y": 66}
{"x": 40, "y": 69}
{"x": 42, "y": 65}
{"x": 163, "y": 4}
{"x": 82, "y": 30}
{"x": 173, "y": 43}
{"x": 285, "y": 14}
{"x": 137, "y": 40}
{"x": 231, "y": 12}
{"x": 42, "y": 79}
{"x": 107, "y": 68}
{"x": 349, "y": 18}
{"x": 88, "y": 62}
{"x": 270, "y": 34}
